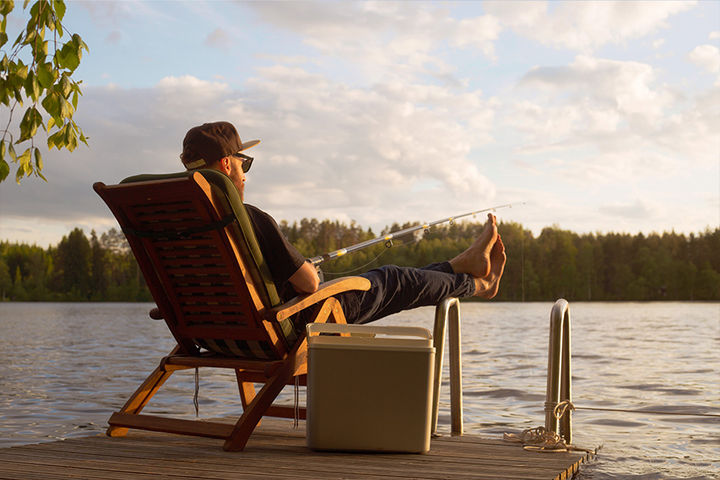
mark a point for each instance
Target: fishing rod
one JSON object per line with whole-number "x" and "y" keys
{"x": 388, "y": 237}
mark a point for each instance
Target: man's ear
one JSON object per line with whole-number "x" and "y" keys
{"x": 225, "y": 165}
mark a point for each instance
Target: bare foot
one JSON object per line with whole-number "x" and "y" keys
{"x": 487, "y": 287}
{"x": 476, "y": 259}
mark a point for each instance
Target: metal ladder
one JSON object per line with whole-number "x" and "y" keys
{"x": 559, "y": 377}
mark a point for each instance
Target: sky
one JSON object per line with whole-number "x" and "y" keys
{"x": 594, "y": 117}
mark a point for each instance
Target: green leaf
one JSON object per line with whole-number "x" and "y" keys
{"x": 29, "y": 124}
{"x": 6, "y": 6}
{"x": 56, "y": 140}
{"x": 38, "y": 159}
{"x": 19, "y": 174}
{"x": 59, "y": 9}
{"x": 46, "y": 75}
{"x": 35, "y": 8}
{"x": 66, "y": 110}
{"x": 65, "y": 86}
{"x": 21, "y": 72}
{"x": 75, "y": 99}
{"x": 24, "y": 166}
{"x": 4, "y": 98}
{"x": 25, "y": 4}
{"x": 46, "y": 17}
{"x": 4, "y": 169}
{"x": 30, "y": 37}
{"x": 40, "y": 51}
{"x": 25, "y": 159}
{"x": 69, "y": 56}
{"x": 51, "y": 104}
{"x": 69, "y": 137}
{"x": 32, "y": 87}
{"x": 3, "y": 38}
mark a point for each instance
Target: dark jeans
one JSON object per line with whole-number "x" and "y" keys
{"x": 393, "y": 289}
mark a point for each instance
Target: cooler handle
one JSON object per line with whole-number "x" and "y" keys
{"x": 367, "y": 330}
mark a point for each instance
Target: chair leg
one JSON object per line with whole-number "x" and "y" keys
{"x": 247, "y": 390}
{"x": 337, "y": 313}
{"x": 255, "y": 410}
{"x": 141, "y": 397}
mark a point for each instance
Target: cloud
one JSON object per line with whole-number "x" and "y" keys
{"x": 113, "y": 37}
{"x": 113, "y": 13}
{"x": 383, "y": 38}
{"x": 637, "y": 210}
{"x": 590, "y": 97}
{"x": 714, "y": 35}
{"x": 584, "y": 26}
{"x": 393, "y": 138}
{"x": 599, "y": 122}
{"x": 328, "y": 151}
{"x": 219, "y": 38}
{"x": 706, "y": 57}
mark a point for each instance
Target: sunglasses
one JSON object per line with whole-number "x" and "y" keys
{"x": 246, "y": 161}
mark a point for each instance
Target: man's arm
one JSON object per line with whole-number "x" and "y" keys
{"x": 305, "y": 279}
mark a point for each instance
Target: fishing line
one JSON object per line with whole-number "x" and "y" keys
{"x": 382, "y": 252}
{"x": 361, "y": 267}
{"x": 566, "y": 405}
{"x": 654, "y": 412}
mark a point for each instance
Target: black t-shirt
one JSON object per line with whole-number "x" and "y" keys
{"x": 282, "y": 258}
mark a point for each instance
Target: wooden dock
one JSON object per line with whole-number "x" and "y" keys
{"x": 275, "y": 450}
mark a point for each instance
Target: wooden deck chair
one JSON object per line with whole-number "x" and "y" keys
{"x": 197, "y": 250}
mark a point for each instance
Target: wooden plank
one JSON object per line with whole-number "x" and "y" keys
{"x": 150, "y": 455}
{"x": 296, "y": 465}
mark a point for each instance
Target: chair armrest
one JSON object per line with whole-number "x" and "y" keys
{"x": 327, "y": 289}
{"x": 155, "y": 314}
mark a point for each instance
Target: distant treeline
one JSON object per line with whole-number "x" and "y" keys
{"x": 557, "y": 263}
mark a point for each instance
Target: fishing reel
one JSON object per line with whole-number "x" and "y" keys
{"x": 320, "y": 273}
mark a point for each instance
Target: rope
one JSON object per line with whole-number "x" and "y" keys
{"x": 539, "y": 439}
{"x": 197, "y": 391}
{"x": 563, "y": 407}
{"x": 296, "y": 419}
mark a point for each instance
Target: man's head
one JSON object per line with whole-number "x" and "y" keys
{"x": 217, "y": 145}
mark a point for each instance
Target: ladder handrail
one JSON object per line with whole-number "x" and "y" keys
{"x": 450, "y": 307}
{"x": 559, "y": 376}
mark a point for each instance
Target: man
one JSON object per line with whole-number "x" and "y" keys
{"x": 475, "y": 272}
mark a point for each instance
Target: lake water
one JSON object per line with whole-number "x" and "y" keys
{"x": 64, "y": 368}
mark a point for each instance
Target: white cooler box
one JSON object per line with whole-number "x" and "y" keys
{"x": 371, "y": 390}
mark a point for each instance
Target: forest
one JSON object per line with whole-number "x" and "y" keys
{"x": 555, "y": 264}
